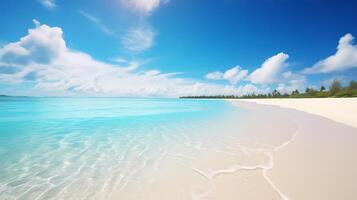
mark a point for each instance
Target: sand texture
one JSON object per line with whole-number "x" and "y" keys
{"x": 342, "y": 110}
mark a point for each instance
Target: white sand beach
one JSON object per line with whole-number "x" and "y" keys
{"x": 255, "y": 152}
{"x": 266, "y": 152}
{"x": 343, "y": 110}
{"x": 319, "y": 161}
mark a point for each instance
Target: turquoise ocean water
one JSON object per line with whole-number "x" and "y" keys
{"x": 82, "y": 148}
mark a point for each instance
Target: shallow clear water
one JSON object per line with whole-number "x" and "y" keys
{"x": 80, "y": 148}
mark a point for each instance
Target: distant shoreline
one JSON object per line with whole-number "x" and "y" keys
{"x": 227, "y": 98}
{"x": 335, "y": 90}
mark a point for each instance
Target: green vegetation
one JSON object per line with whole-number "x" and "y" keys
{"x": 335, "y": 90}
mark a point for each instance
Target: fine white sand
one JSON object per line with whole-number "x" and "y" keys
{"x": 262, "y": 152}
{"x": 319, "y": 160}
{"x": 343, "y": 110}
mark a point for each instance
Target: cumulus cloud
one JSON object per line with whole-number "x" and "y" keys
{"x": 291, "y": 81}
{"x": 97, "y": 22}
{"x": 215, "y": 75}
{"x": 345, "y": 58}
{"x": 253, "y": 89}
{"x": 138, "y": 39}
{"x": 143, "y": 7}
{"x": 43, "y": 58}
{"x": 49, "y": 4}
{"x": 269, "y": 70}
{"x": 273, "y": 71}
{"x": 41, "y": 45}
{"x": 233, "y": 75}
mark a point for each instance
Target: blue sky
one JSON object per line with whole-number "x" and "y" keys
{"x": 174, "y": 47}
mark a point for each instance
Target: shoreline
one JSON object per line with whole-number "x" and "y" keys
{"x": 343, "y": 110}
{"x": 251, "y": 151}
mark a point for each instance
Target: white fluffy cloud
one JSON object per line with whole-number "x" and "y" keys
{"x": 291, "y": 81}
{"x": 49, "y": 4}
{"x": 215, "y": 75}
{"x": 138, "y": 39}
{"x": 344, "y": 58}
{"x": 143, "y": 6}
{"x": 43, "y": 58}
{"x": 269, "y": 70}
{"x": 272, "y": 71}
{"x": 41, "y": 45}
{"x": 233, "y": 75}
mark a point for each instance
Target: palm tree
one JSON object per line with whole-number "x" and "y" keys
{"x": 322, "y": 88}
{"x": 295, "y": 92}
{"x": 335, "y": 87}
{"x": 276, "y": 93}
{"x": 307, "y": 90}
{"x": 352, "y": 85}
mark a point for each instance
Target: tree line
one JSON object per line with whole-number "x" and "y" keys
{"x": 334, "y": 90}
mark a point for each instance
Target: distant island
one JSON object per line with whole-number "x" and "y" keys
{"x": 335, "y": 90}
